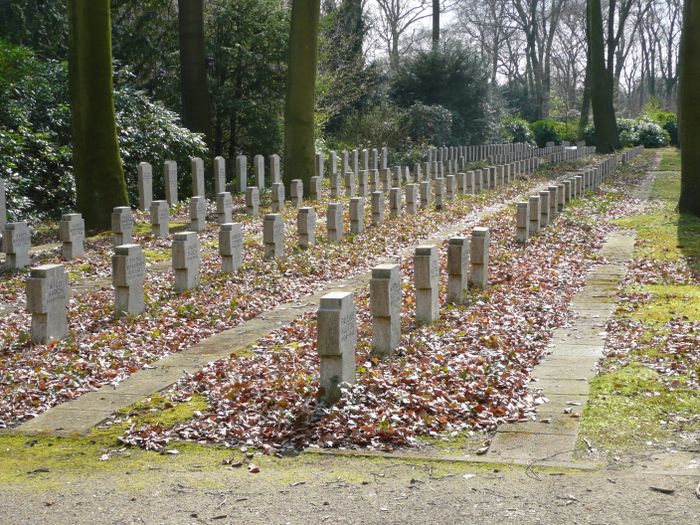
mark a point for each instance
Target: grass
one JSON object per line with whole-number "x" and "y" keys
{"x": 630, "y": 404}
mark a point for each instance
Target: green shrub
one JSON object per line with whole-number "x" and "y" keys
{"x": 428, "y": 124}
{"x": 651, "y": 135}
{"x": 375, "y": 126}
{"x": 514, "y": 129}
{"x": 545, "y": 131}
{"x": 627, "y": 131}
{"x": 566, "y": 131}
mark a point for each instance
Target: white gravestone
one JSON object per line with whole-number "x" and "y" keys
{"x": 197, "y": 177}
{"x": 219, "y": 175}
{"x": 122, "y": 226}
{"x": 457, "y": 269}
{"x": 315, "y": 187}
{"x": 145, "y": 185}
{"x": 16, "y": 241}
{"x": 334, "y": 222}
{"x": 296, "y": 190}
{"x": 259, "y": 165}
{"x": 426, "y": 276}
{"x": 252, "y": 201}
{"x": 394, "y": 202}
{"x": 412, "y": 199}
{"x": 425, "y": 194}
{"x": 241, "y": 173}
{"x": 534, "y": 214}
{"x": 231, "y": 246}
{"x": 522, "y": 222}
{"x": 377, "y": 207}
{"x": 224, "y": 207}
{"x": 128, "y": 275}
{"x": 186, "y": 260}
{"x": 273, "y": 235}
{"x": 275, "y": 174}
{"x": 306, "y": 227}
{"x": 198, "y": 214}
{"x": 336, "y": 342}
{"x": 385, "y": 306}
{"x": 479, "y": 258}
{"x": 71, "y": 230}
{"x": 47, "y": 302}
{"x": 357, "y": 215}
{"x": 277, "y": 197}
{"x": 159, "y": 218}
{"x": 170, "y": 181}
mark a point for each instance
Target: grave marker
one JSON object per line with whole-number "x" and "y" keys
{"x": 197, "y": 177}
{"x": 479, "y": 256}
{"x": 170, "y": 177}
{"x": 71, "y": 231}
{"x": 47, "y": 302}
{"x": 224, "y": 207}
{"x": 522, "y": 222}
{"x": 198, "y": 214}
{"x": 145, "y": 185}
{"x": 297, "y": 192}
{"x": 426, "y": 275}
{"x": 219, "y": 175}
{"x": 186, "y": 260}
{"x": 128, "y": 275}
{"x": 277, "y": 197}
{"x": 273, "y": 235}
{"x": 385, "y": 306}
{"x": 231, "y": 246}
{"x": 306, "y": 227}
{"x": 457, "y": 269}
{"x": 252, "y": 201}
{"x": 122, "y": 226}
{"x": 336, "y": 341}
{"x": 357, "y": 215}
{"x": 259, "y": 165}
{"x": 241, "y": 173}
{"x": 159, "y": 218}
{"x": 334, "y": 222}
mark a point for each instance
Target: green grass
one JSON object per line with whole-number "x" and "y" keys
{"x": 630, "y": 405}
{"x": 670, "y": 160}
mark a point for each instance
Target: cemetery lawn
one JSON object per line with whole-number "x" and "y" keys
{"x": 102, "y": 350}
{"x": 647, "y": 395}
{"x": 468, "y": 372}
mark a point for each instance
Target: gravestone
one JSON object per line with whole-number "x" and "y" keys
{"x": 363, "y": 184}
{"x": 349, "y": 184}
{"x": 159, "y": 218}
{"x": 535, "y": 214}
{"x": 197, "y": 177}
{"x": 47, "y": 302}
{"x": 333, "y": 168}
{"x": 71, "y": 231}
{"x": 334, "y": 222}
{"x": 315, "y": 187}
{"x": 224, "y": 207}
{"x": 273, "y": 235}
{"x": 439, "y": 191}
{"x": 386, "y": 180}
{"x": 252, "y": 201}
{"x": 275, "y": 174}
{"x": 231, "y": 246}
{"x": 394, "y": 202}
{"x": 397, "y": 180}
{"x": 122, "y": 226}
{"x": 16, "y": 241}
{"x": 461, "y": 180}
{"x": 219, "y": 175}
{"x": 374, "y": 159}
{"x": 318, "y": 164}
{"x": 377, "y": 207}
{"x": 277, "y": 196}
{"x": 561, "y": 197}
{"x": 425, "y": 194}
{"x": 241, "y": 173}
{"x": 385, "y": 157}
{"x": 522, "y": 222}
{"x": 306, "y": 227}
{"x": 544, "y": 208}
{"x": 567, "y": 192}
{"x": 186, "y": 260}
{"x": 479, "y": 257}
{"x": 357, "y": 215}
{"x": 128, "y": 275}
{"x": 470, "y": 183}
{"x": 426, "y": 276}
{"x": 335, "y": 185}
{"x": 355, "y": 161}
{"x": 412, "y": 199}
{"x": 457, "y": 269}
{"x": 198, "y": 214}
{"x": 259, "y": 165}
{"x": 170, "y": 181}
{"x": 385, "y": 306}
{"x": 553, "y": 200}
{"x": 336, "y": 342}
{"x": 296, "y": 189}
{"x": 374, "y": 180}
{"x": 450, "y": 184}
{"x": 344, "y": 162}
{"x": 145, "y": 185}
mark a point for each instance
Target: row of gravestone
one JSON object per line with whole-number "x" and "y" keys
{"x": 17, "y": 236}
{"x": 337, "y": 315}
{"x": 47, "y": 285}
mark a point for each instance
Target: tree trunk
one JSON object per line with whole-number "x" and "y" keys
{"x": 196, "y": 109}
{"x": 99, "y": 176}
{"x": 586, "y": 102}
{"x": 689, "y": 109}
{"x": 436, "y": 23}
{"x": 299, "y": 149}
{"x": 607, "y": 139}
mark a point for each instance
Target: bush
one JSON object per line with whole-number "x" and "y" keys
{"x": 428, "y": 124}
{"x": 627, "y": 131}
{"x": 651, "y": 135}
{"x": 375, "y": 126}
{"x": 514, "y": 129}
{"x": 451, "y": 76}
{"x": 545, "y": 131}
{"x": 566, "y": 131}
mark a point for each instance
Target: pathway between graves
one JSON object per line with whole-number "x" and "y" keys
{"x": 80, "y": 415}
{"x": 564, "y": 375}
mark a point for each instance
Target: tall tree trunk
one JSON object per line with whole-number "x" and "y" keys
{"x": 689, "y": 109}
{"x": 586, "y": 102}
{"x": 607, "y": 139}
{"x": 436, "y": 23}
{"x": 299, "y": 150}
{"x": 196, "y": 109}
{"x": 99, "y": 176}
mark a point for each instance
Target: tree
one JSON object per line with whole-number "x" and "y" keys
{"x": 436, "y": 23}
{"x": 99, "y": 177}
{"x": 601, "y": 83}
{"x": 689, "y": 201}
{"x": 394, "y": 19}
{"x": 196, "y": 109}
{"x": 299, "y": 150}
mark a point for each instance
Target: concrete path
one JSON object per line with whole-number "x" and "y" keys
{"x": 90, "y": 409}
{"x": 565, "y": 373}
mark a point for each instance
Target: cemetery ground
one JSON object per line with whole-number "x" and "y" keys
{"x": 636, "y": 457}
